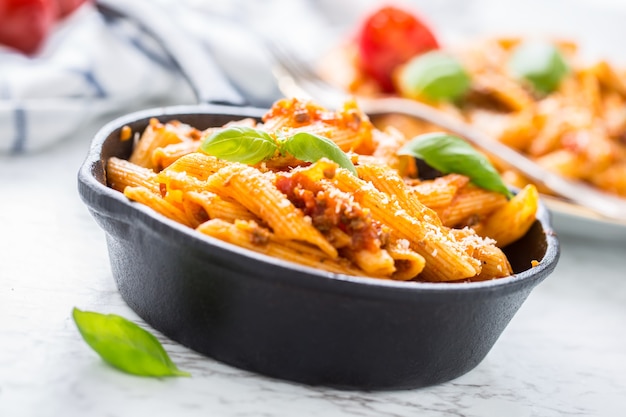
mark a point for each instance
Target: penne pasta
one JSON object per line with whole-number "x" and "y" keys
{"x": 445, "y": 260}
{"x": 122, "y": 174}
{"x": 378, "y": 223}
{"x": 433, "y": 194}
{"x": 389, "y": 182}
{"x": 256, "y": 192}
{"x": 157, "y": 203}
{"x": 349, "y": 127}
{"x": 205, "y": 205}
{"x": 250, "y": 236}
{"x": 469, "y": 205}
{"x": 504, "y": 90}
{"x": 378, "y": 263}
{"x": 197, "y": 164}
{"x": 163, "y": 157}
{"x": 155, "y": 136}
{"x": 574, "y": 124}
{"x": 408, "y": 263}
{"x": 513, "y": 219}
{"x": 494, "y": 263}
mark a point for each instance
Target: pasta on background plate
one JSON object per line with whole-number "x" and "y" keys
{"x": 570, "y": 118}
{"x": 359, "y": 209}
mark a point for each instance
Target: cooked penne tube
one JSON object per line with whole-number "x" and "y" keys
{"x": 387, "y": 144}
{"x": 438, "y": 193}
{"x": 165, "y": 156}
{"x": 122, "y": 173}
{"x": 470, "y": 205}
{"x": 377, "y": 263}
{"x": 197, "y": 164}
{"x": 504, "y": 90}
{"x": 179, "y": 180}
{"x": 512, "y": 220}
{"x": 494, "y": 263}
{"x": 521, "y": 128}
{"x": 338, "y": 238}
{"x": 433, "y": 194}
{"x": 155, "y": 136}
{"x": 205, "y": 205}
{"x": 609, "y": 78}
{"x": 389, "y": 182}
{"x": 612, "y": 178}
{"x": 408, "y": 263}
{"x": 572, "y": 122}
{"x": 349, "y": 127}
{"x": 589, "y": 91}
{"x": 157, "y": 203}
{"x": 564, "y": 162}
{"x": 250, "y": 236}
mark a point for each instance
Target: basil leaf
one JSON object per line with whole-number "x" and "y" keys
{"x": 435, "y": 76}
{"x": 124, "y": 345}
{"x": 240, "y": 144}
{"x": 310, "y": 148}
{"x": 448, "y": 153}
{"x": 539, "y": 63}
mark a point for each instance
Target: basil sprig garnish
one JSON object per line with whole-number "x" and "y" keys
{"x": 251, "y": 146}
{"x": 448, "y": 154}
{"x": 125, "y": 345}
{"x": 240, "y": 144}
{"x": 310, "y": 148}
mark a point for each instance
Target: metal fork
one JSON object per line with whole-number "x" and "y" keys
{"x": 296, "y": 78}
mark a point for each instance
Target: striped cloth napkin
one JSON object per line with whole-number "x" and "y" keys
{"x": 90, "y": 66}
{"x": 97, "y": 64}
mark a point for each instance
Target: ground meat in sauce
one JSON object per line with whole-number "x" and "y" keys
{"x": 353, "y": 121}
{"x": 259, "y": 236}
{"x": 301, "y": 116}
{"x": 331, "y": 208}
{"x": 401, "y": 265}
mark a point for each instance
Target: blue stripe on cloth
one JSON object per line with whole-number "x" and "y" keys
{"x": 111, "y": 19}
{"x": 91, "y": 80}
{"x": 19, "y": 141}
{"x": 165, "y": 62}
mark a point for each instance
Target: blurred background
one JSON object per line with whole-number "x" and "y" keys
{"x": 66, "y": 63}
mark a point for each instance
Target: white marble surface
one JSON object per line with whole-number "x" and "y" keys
{"x": 563, "y": 354}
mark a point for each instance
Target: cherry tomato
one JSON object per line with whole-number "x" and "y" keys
{"x": 66, "y": 7}
{"x": 25, "y": 23}
{"x": 388, "y": 38}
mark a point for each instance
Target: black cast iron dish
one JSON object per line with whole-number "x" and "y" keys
{"x": 288, "y": 321}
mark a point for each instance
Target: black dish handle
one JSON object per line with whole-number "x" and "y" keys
{"x": 205, "y": 77}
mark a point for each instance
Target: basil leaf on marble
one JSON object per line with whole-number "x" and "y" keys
{"x": 447, "y": 153}
{"x": 125, "y": 345}
{"x": 240, "y": 144}
{"x": 309, "y": 147}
